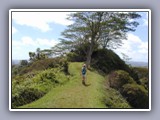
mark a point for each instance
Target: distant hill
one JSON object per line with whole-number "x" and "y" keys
{"x": 15, "y": 62}
{"x": 137, "y": 64}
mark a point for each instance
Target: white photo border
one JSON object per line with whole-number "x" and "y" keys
{"x": 77, "y": 10}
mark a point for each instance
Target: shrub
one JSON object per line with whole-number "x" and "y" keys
{"x": 143, "y": 75}
{"x": 16, "y": 69}
{"x": 136, "y": 95}
{"x": 118, "y": 78}
{"x": 32, "y": 86}
{"x": 106, "y": 61}
{"x": 23, "y": 62}
{"x": 46, "y": 64}
{"x": 65, "y": 67}
{"x": 113, "y": 99}
{"x": 134, "y": 75}
{"x": 141, "y": 71}
{"x": 145, "y": 82}
{"x": 26, "y": 96}
{"x": 75, "y": 57}
{"x": 46, "y": 76}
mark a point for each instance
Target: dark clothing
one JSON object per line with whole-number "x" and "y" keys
{"x": 83, "y": 70}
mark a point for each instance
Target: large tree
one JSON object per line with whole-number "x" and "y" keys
{"x": 98, "y": 29}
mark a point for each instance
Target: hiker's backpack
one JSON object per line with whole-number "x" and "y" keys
{"x": 83, "y": 70}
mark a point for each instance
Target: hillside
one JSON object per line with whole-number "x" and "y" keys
{"x": 137, "y": 64}
{"x": 75, "y": 95}
{"x": 57, "y": 83}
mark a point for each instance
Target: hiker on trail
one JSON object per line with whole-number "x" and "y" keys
{"x": 84, "y": 70}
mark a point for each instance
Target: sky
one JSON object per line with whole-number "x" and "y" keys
{"x": 32, "y": 30}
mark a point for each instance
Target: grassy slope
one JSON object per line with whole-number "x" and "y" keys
{"x": 73, "y": 94}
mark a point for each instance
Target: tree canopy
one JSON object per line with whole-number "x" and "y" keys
{"x": 97, "y": 30}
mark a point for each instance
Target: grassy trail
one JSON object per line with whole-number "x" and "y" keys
{"x": 73, "y": 94}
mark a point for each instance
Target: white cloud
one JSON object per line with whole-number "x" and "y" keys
{"x": 21, "y": 48}
{"x": 145, "y": 22}
{"x": 14, "y": 30}
{"x": 135, "y": 48}
{"x": 145, "y": 19}
{"x": 41, "y": 20}
{"x": 29, "y": 42}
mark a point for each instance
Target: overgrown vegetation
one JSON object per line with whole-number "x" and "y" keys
{"x": 42, "y": 65}
{"x": 143, "y": 75}
{"x": 34, "y": 81}
{"x": 107, "y": 61}
{"x": 114, "y": 99}
{"x": 135, "y": 94}
{"x": 119, "y": 78}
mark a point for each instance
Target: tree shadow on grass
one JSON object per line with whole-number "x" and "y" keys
{"x": 85, "y": 84}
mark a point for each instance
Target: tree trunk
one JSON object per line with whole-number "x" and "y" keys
{"x": 88, "y": 62}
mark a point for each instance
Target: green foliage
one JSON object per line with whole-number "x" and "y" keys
{"x": 107, "y": 61}
{"x": 143, "y": 75}
{"x": 113, "y": 99}
{"x": 32, "y": 81}
{"x": 145, "y": 82}
{"x": 31, "y": 86}
{"x": 134, "y": 75}
{"x": 141, "y": 71}
{"x": 46, "y": 64}
{"x": 136, "y": 95}
{"x": 15, "y": 70}
{"x": 26, "y": 96}
{"x": 74, "y": 57}
{"x": 65, "y": 65}
{"x": 97, "y": 30}
{"x": 47, "y": 75}
{"x": 72, "y": 94}
{"x": 23, "y": 62}
{"x": 111, "y": 25}
{"x": 38, "y": 55}
{"x": 118, "y": 78}
{"x": 79, "y": 52}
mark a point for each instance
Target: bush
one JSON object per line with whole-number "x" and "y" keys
{"x": 26, "y": 96}
{"x": 141, "y": 72}
{"x": 74, "y": 57}
{"x": 15, "y": 70}
{"x": 65, "y": 67}
{"x": 33, "y": 81}
{"x": 143, "y": 75}
{"x": 32, "y": 86}
{"x": 145, "y": 82}
{"x": 134, "y": 75}
{"x": 136, "y": 95}
{"x": 114, "y": 99}
{"x": 106, "y": 61}
{"x": 118, "y": 78}
{"x": 46, "y": 64}
{"x": 23, "y": 62}
{"x": 46, "y": 76}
